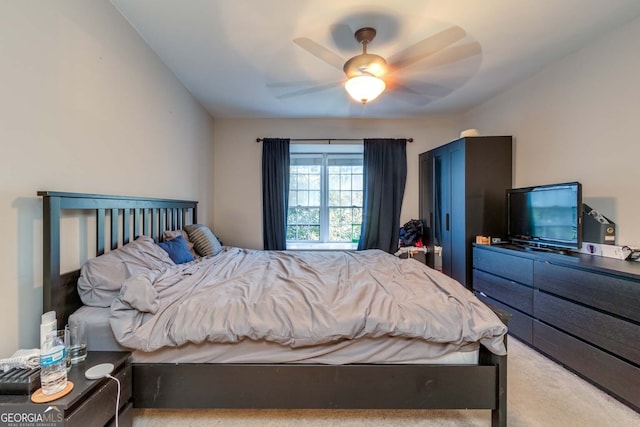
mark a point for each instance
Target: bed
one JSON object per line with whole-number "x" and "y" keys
{"x": 167, "y": 382}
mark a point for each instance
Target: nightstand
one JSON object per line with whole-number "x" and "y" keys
{"x": 91, "y": 402}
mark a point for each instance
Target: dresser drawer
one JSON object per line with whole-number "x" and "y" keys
{"x": 616, "y": 376}
{"x": 504, "y": 265}
{"x": 520, "y": 325}
{"x": 507, "y": 291}
{"x": 611, "y": 294}
{"x": 610, "y": 333}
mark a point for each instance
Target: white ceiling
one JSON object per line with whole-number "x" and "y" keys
{"x": 238, "y": 57}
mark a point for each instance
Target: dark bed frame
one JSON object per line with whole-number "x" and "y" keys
{"x": 119, "y": 219}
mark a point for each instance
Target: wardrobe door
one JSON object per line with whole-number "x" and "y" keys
{"x": 426, "y": 204}
{"x": 458, "y": 226}
{"x": 441, "y": 166}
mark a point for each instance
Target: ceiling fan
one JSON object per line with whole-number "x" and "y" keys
{"x": 368, "y": 74}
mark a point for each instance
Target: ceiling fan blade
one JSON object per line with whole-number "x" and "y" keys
{"x": 294, "y": 84}
{"x": 409, "y": 95}
{"x": 426, "y": 47}
{"x": 320, "y": 51}
{"x": 453, "y": 54}
{"x": 306, "y": 91}
{"x": 430, "y": 90}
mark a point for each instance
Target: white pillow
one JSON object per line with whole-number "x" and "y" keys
{"x": 102, "y": 277}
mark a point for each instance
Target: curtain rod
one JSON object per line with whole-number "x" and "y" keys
{"x": 327, "y": 139}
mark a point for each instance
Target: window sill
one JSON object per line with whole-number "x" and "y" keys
{"x": 300, "y": 246}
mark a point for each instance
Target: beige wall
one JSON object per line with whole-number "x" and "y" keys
{"x": 578, "y": 120}
{"x": 86, "y": 106}
{"x": 237, "y": 167}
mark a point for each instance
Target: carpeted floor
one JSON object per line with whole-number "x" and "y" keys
{"x": 540, "y": 393}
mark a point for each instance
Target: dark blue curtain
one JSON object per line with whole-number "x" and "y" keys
{"x": 275, "y": 192}
{"x": 385, "y": 175}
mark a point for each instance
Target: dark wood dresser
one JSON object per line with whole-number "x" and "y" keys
{"x": 582, "y": 311}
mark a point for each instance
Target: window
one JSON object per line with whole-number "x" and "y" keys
{"x": 325, "y": 198}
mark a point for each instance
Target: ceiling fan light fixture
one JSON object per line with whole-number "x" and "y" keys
{"x": 364, "y": 88}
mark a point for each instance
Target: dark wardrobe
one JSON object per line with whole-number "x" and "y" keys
{"x": 462, "y": 195}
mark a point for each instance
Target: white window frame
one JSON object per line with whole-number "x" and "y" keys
{"x": 355, "y": 150}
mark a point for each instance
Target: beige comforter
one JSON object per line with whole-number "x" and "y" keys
{"x": 299, "y": 299}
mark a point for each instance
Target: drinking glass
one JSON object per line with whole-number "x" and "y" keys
{"x": 77, "y": 341}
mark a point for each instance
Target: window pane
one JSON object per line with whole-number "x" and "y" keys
{"x": 355, "y": 232}
{"x": 309, "y": 233}
{"x": 309, "y": 216}
{"x": 345, "y": 198}
{"x": 345, "y": 182}
{"x": 303, "y": 233}
{"x": 291, "y": 232}
{"x": 314, "y": 182}
{"x": 303, "y": 182}
{"x": 334, "y": 182}
{"x": 357, "y": 198}
{"x": 314, "y": 198}
{"x": 303, "y": 198}
{"x": 357, "y": 217}
{"x": 291, "y": 217}
{"x": 334, "y": 198}
{"x": 356, "y": 182}
{"x": 314, "y": 233}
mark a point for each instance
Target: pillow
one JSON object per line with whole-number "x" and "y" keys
{"x": 204, "y": 241}
{"x": 102, "y": 277}
{"x": 177, "y": 249}
{"x": 172, "y": 234}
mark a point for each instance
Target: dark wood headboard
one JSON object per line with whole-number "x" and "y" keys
{"x": 127, "y": 217}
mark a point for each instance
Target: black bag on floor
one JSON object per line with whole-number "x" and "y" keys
{"x": 411, "y": 233}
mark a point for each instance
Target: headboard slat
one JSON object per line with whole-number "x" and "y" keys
{"x": 136, "y": 222}
{"x": 114, "y": 228}
{"x": 100, "y": 221}
{"x": 161, "y": 222}
{"x": 154, "y": 223}
{"x": 126, "y": 217}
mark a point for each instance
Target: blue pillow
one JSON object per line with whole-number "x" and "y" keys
{"x": 177, "y": 249}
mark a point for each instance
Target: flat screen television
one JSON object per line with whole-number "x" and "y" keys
{"x": 546, "y": 216}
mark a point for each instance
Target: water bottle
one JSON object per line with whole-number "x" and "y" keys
{"x": 53, "y": 365}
